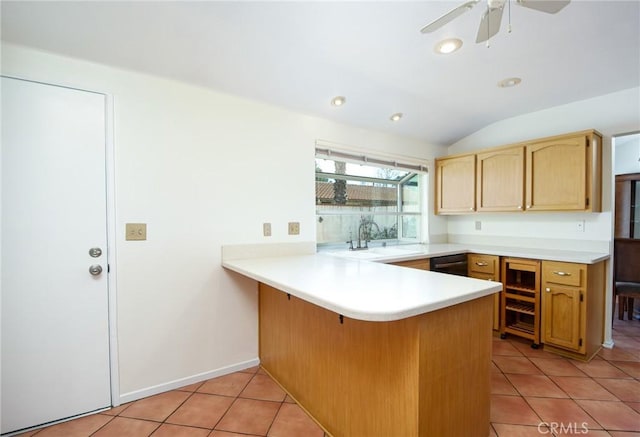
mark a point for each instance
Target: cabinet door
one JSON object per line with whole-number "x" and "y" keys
{"x": 557, "y": 174}
{"x": 561, "y": 308}
{"x": 500, "y": 180}
{"x": 455, "y": 185}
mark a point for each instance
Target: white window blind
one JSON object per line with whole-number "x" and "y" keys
{"x": 329, "y": 153}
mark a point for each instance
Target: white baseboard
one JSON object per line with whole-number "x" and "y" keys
{"x": 608, "y": 344}
{"x": 172, "y": 385}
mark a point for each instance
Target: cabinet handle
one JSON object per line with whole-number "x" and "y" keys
{"x": 548, "y": 290}
{"x": 528, "y": 206}
{"x": 519, "y": 206}
{"x": 481, "y": 264}
{"x": 562, "y": 273}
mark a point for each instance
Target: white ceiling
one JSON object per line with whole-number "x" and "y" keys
{"x": 301, "y": 54}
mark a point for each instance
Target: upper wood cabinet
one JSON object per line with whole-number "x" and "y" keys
{"x": 455, "y": 185}
{"x": 564, "y": 173}
{"x": 561, "y": 173}
{"x": 500, "y": 180}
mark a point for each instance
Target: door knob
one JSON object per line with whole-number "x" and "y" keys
{"x": 95, "y": 269}
{"x": 95, "y": 252}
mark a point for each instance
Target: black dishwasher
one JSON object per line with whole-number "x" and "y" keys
{"x": 452, "y": 264}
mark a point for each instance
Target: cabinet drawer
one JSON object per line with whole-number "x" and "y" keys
{"x": 563, "y": 273}
{"x": 483, "y": 264}
{"x": 485, "y": 276}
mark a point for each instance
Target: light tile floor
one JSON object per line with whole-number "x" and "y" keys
{"x": 534, "y": 393}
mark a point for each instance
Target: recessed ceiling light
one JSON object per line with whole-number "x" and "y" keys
{"x": 447, "y": 46}
{"x": 395, "y": 117}
{"x": 338, "y": 100}
{"x": 509, "y": 82}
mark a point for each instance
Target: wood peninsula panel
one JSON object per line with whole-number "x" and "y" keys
{"x": 426, "y": 375}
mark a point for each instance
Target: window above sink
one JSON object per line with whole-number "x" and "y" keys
{"x": 367, "y": 200}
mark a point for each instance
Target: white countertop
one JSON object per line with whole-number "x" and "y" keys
{"x": 416, "y": 251}
{"x": 348, "y": 283}
{"x": 360, "y": 289}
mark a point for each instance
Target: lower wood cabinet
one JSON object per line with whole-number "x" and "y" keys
{"x": 573, "y": 308}
{"x": 557, "y": 304}
{"x": 486, "y": 267}
{"x": 421, "y": 264}
{"x": 520, "y": 303}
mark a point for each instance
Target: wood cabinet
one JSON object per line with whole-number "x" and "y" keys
{"x": 573, "y": 308}
{"x": 422, "y": 264}
{"x": 486, "y": 267}
{"x": 500, "y": 180}
{"x": 561, "y": 173}
{"x": 564, "y": 173}
{"x": 520, "y": 302}
{"x": 627, "y": 215}
{"x": 455, "y": 185}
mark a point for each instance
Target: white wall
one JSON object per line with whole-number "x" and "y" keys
{"x": 627, "y": 154}
{"x": 202, "y": 169}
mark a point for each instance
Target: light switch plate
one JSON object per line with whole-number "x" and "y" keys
{"x": 294, "y": 228}
{"x": 136, "y": 231}
{"x": 266, "y": 229}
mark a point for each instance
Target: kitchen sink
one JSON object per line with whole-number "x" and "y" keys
{"x": 372, "y": 253}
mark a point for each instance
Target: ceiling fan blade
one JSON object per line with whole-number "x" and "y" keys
{"x": 490, "y": 24}
{"x": 548, "y": 6}
{"x": 449, "y": 16}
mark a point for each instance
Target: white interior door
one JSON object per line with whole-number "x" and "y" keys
{"x": 55, "y": 338}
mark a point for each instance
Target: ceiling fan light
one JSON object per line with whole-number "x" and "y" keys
{"x": 447, "y": 46}
{"x": 509, "y": 82}
{"x": 338, "y": 100}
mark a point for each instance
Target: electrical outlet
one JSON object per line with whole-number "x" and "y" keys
{"x": 580, "y": 227}
{"x": 478, "y": 225}
{"x": 266, "y": 229}
{"x": 136, "y": 231}
{"x": 294, "y": 228}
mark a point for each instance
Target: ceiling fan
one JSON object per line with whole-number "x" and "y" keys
{"x": 490, "y": 22}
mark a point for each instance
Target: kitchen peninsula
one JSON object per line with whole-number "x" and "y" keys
{"x": 372, "y": 349}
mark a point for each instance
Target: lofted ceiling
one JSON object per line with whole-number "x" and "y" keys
{"x": 299, "y": 55}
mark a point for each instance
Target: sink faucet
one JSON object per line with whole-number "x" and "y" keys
{"x": 364, "y": 234}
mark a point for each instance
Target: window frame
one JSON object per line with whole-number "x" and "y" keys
{"x": 419, "y": 170}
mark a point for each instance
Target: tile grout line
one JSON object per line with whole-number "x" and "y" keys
{"x": 253, "y": 375}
